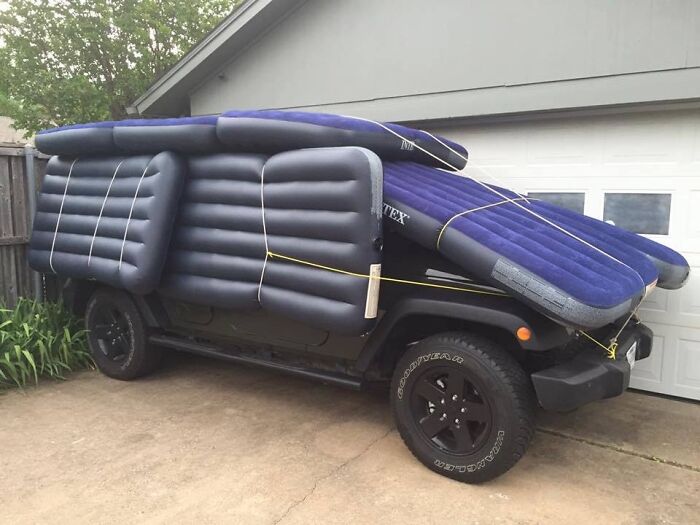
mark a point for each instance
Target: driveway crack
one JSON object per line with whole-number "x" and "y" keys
{"x": 329, "y": 475}
{"x": 615, "y": 448}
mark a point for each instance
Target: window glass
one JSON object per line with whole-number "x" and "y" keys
{"x": 570, "y": 201}
{"x": 639, "y": 212}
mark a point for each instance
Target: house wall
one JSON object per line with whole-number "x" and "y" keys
{"x": 8, "y": 134}
{"x": 415, "y": 60}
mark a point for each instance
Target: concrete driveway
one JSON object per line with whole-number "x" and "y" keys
{"x": 208, "y": 442}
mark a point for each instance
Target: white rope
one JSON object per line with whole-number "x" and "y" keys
{"x": 102, "y": 209}
{"x": 131, "y": 211}
{"x": 454, "y": 168}
{"x": 544, "y": 219}
{"x": 462, "y": 214}
{"x": 60, "y": 213}
{"x": 262, "y": 211}
{"x": 472, "y": 164}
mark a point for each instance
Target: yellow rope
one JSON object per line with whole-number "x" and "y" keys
{"x": 274, "y": 255}
{"x": 611, "y": 350}
{"x": 462, "y": 214}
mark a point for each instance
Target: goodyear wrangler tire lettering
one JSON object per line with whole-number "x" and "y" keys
{"x": 424, "y": 358}
{"x": 463, "y": 406}
{"x": 473, "y": 467}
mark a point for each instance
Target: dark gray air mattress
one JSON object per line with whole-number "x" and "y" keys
{"x": 321, "y": 205}
{"x": 108, "y": 219}
{"x": 188, "y": 135}
{"x": 270, "y": 131}
{"x": 217, "y": 252}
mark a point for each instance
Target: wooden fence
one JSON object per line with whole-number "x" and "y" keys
{"x": 16, "y": 278}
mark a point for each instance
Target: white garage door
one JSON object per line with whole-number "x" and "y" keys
{"x": 640, "y": 170}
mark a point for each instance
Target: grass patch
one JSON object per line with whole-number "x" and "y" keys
{"x": 38, "y": 340}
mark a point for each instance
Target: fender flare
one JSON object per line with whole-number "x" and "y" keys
{"x": 502, "y": 312}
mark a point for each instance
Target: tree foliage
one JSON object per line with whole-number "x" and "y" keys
{"x": 68, "y": 61}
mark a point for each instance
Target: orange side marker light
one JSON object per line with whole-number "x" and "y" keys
{"x": 523, "y": 333}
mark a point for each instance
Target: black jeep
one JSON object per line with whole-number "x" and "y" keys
{"x": 466, "y": 370}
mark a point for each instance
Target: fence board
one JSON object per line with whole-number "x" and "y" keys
{"x": 18, "y": 195}
{"x": 16, "y": 278}
{"x": 8, "y": 274}
{"x": 6, "y": 227}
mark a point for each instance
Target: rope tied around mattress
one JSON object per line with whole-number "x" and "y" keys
{"x": 102, "y": 209}
{"x": 612, "y": 346}
{"x": 611, "y": 349}
{"x": 131, "y": 211}
{"x": 264, "y": 227}
{"x": 274, "y": 255}
{"x": 490, "y": 188}
{"x": 466, "y": 212}
{"x": 60, "y": 213}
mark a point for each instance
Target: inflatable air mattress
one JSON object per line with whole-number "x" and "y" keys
{"x": 586, "y": 278}
{"x": 313, "y": 204}
{"x": 276, "y": 131}
{"x": 190, "y": 135}
{"x": 108, "y": 219}
{"x": 322, "y": 205}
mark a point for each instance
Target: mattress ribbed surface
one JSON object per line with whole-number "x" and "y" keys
{"x": 108, "y": 219}
{"x": 320, "y": 205}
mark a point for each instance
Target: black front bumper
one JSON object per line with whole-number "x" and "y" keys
{"x": 591, "y": 375}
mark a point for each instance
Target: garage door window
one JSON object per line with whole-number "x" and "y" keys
{"x": 569, "y": 200}
{"x": 648, "y": 213}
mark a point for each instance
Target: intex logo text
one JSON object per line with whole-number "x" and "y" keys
{"x": 395, "y": 215}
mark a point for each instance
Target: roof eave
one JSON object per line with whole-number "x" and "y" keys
{"x": 169, "y": 94}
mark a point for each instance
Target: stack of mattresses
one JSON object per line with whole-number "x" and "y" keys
{"x": 282, "y": 210}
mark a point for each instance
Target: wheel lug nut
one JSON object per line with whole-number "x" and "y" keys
{"x": 463, "y": 410}
{"x": 456, "y": 421}
{"x": 442, "y": 401}
{"x": 454, "y": 397}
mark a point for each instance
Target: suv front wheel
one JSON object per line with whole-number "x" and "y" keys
{"x": 463, "y": 406}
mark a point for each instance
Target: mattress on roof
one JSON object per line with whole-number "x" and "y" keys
{"x": 188, "y": 135}
{"x": 262, "y": 131}
{"x": 573, "y": 268}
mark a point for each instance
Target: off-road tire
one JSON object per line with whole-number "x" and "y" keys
{"x": 493, "y": 378}
{"x": 137, "y": 357}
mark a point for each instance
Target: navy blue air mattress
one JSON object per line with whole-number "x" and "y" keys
{"x": 585, "y": 282}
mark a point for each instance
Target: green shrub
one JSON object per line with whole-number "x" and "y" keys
{"x": 40, "y": 340}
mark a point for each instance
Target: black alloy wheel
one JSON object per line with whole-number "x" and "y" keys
{"x": 463, "y": 406}
{"x": 117, "y": 336}
{"x": 112, "y": 332}
{"x": 450, "y": 411}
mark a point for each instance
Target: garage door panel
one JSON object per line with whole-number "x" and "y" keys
{"x": 690, "y": 297}
{"x": 654, "y": 152}
{"x": 648, "y": 372}
{"x": 657, "y": 302}
{"x": 688, "y": 363}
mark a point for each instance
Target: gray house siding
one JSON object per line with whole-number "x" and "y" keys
{"x": 417, "y": 60}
